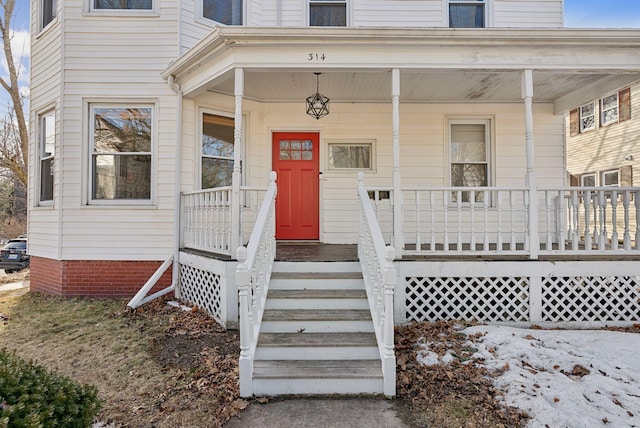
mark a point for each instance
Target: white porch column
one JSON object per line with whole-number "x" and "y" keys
{"x": 237, "y": 152}
{"x": 398, "y": 236}
{"x": 527, "y": 97}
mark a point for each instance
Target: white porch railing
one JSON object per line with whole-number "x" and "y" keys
{"x": 376, "y": 262}
{"x": 498, "y": 221}
{"x": 207, "y": 217}
{"x": 255, "y": 263}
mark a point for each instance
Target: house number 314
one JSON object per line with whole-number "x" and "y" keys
{"x": 316, "y": 57}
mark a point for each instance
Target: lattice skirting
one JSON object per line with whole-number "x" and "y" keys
{"x": 208, "y": 284}
{"x": 541, "y": 292}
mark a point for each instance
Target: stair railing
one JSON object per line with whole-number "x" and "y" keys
{"x": 376, "y": 262}
{"x": 255, "y": 263}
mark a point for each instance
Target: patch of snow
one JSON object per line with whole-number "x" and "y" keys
{"x": 178, "y": 305}
{"x": 544, "y": 374}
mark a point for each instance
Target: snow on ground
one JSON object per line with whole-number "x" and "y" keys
{"x": 565, "y": 378}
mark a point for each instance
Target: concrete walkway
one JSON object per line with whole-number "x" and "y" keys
{"x": 324, "y": 413}
{"x": 14, "y": 286}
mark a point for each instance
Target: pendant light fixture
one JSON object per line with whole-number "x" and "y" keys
{"x": 317, "y": 104}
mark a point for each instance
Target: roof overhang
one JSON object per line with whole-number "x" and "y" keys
{"x": 570, "y": 66}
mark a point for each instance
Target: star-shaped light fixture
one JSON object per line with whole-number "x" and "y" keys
{"x": 317, "y": 104}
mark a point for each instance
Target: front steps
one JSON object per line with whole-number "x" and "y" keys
{"x": 317, "y": 336}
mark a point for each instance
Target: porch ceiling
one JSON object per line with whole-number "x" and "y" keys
{"x": 425, "y": 86}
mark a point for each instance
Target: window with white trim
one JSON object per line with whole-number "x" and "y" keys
{"x": 46, "y": 154}
{"x": 121, "y": 151}
{"x": 588, "y": 180}
{"x": 467, "y": 13}
{"x": 588, "y": 117}
{"x": 216, "y": 166}
{"x": 328, "y": 13}
{"x": 350, "y": 155}
{"x": 609, "y": 109}
{"x": 48, "y": 11}
{"x": 611, "y": 178}
{"x": 122, "y": 4}
{"x": 469, "y": 154}
{"x": 228, "y": 12}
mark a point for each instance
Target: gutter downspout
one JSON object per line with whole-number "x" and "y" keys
{"x": 175, "y": 87}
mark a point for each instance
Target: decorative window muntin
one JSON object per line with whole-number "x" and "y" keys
{"x": 46, "y": 153}
{"x": 611, "y": 178}
{"x": 588, "y": 117}
{"x": 351, "y": 155}
{"x": 588, "y": 180}
{"x": 467, "y": 13}
{"x": 122, "y": 4}
{"x": 217, "y": 156}
{"x": 469, "y": 154}
{"x": 609, "y": 109}
{"x": 228, "y": 12}
{"x": 121, "y": 152}
{"x": 328, "y": 13}
{"x": 48, "y": 12}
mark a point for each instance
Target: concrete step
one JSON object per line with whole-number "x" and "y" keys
{"x": 316, "y": 267}
{"x": 316, "y": 321}
{"x": 316, "y": 315}
{"x": 316, "y": 280}
{"x": 317, "y": 346}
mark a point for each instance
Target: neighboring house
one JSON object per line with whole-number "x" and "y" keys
{"x": 156, "y": 124}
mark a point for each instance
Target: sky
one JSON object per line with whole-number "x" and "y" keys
{"x": 561, "y": 378}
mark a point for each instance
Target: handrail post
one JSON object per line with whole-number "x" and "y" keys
{"x": 389, "y": 363}
{"x": 243, "y": 279}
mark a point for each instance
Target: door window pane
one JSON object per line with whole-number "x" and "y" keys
{"x": 296, "y": 150}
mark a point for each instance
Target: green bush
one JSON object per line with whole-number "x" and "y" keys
{"x": 32, "y": 396}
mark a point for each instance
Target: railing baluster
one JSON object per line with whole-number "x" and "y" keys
{"x": 547, "y": 201}
{"x": 602, "y": 207}
{"x": 512, "y": 204}
{"x": 486, "y": 198}
{"x": 587, "y": 220}
{"x": 637, "y": 207}
{"x": 472, "y": 237}
{"x": 614, "y": 220}
{"x": 459, "y": 212}
{"x": 418, "y": 208}
{"x": 627, "y": 226}
{"x": 575, "y": 200}
{"x": 499, "y": 206}
{"x": 432, "y": 245}
{"x": 445, "y": 209}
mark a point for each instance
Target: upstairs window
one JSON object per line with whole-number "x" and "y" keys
{"x": 611, "y": 178}
{"x": 588, "y": 117}
{"x": 228, "y": 12}
{"x": 467, "y": 13}
{"x": 609, "y": 109}
{"x": 49, "y": 10}
{"x": 588, "y": 180}
{"x": 217, "y": 151}
{"x": 328, "y": 13}
{"x": 123, "y": 4}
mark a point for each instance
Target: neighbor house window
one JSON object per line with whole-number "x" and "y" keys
{"x": 328, "y": 13}
{"x": 121, "y": 142}
{"x": 228, "y": 12}
{"x": 217, "y": 150}
{"x": 467, "y": 13}
{"x": 123, "y": 4}
{"x": 49, "y": 9}
{"x": 47, "y": 151}
{"x": 611, "y": 178}
{"x": 588, "y": 180}
{"x": 351, "y": 155}
{"x": 588, "y": 117}
{"x": 469, "y": 143}
{"x": 609, "y": 109}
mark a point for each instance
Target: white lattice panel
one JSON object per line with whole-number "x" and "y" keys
{"x": 481, "y": 299}
{"x": 595, "y": 298}
{"x": 202, "y": 289}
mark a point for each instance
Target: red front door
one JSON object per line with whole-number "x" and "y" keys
{"x": 295, "y": 160}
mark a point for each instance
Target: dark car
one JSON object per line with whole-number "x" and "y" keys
{"x": 14, "y": 257}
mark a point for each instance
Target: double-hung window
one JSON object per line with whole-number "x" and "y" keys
{"x": 609, "y": 109}
{"x": 48, "y": 11}
{"x": 469, "y": 153}
{"x": 47, "y": 149}
{"x": 228, "y": 12}
{"x": 588, "y": 117}
{"x": 122, "y": 4}
{"x": 351, "y": 155}
{"x": 611, "y": 178}
{"x": 328, "y": 13}
{"x": 217, "y": 151}
{"x": 121, "y": 147}
{"x": 588, "y": 180}
{"x": 467, "y": 13}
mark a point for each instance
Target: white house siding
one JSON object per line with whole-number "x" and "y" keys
{"x": 423, "y": 147}
{"x": 116, "y": 58}
{"x": 606, "y": 147}
{"x": 526, "y": 13}
{"x": 399, "y": 14}
{"x": 46, "y": 60}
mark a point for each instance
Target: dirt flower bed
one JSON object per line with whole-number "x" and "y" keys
{"x": 459, "y": 393}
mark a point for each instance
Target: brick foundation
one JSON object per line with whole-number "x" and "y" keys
{"x": 94, "y": 278}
